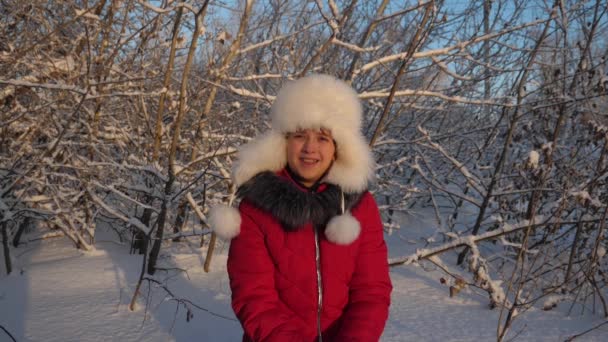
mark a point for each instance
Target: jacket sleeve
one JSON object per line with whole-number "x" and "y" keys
{"x": 255, "y": 301}
{"x": 370, "y": 288}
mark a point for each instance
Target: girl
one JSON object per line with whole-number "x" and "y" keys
{"x": 307, "y": 260}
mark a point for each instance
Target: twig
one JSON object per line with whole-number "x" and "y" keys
{"x": 466, "y": 240}
{"x": 186, "y": 302}
{"x": 571, "y": 338}
{"x": 8, "y": 333}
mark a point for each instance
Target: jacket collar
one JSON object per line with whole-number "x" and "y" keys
{"x": 289, "y": 174}
{"x": 291, "y": 203}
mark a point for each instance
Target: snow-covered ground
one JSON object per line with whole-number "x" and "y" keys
{"x": 58, "y": 293}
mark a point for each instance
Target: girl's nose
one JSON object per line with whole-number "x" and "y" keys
{"x": 309, "y": 144}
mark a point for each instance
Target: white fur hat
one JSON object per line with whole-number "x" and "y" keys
{"x": 315, "y": 101}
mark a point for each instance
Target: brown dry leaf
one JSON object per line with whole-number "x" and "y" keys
{"x": 459, "y": 284}
{"x": 454, "y": 291}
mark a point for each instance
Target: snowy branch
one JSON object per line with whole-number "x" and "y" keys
{"x": 446, "y": 50}
{"x": 133, "y": 221}
{"x": 504, "y": 102}
{"x": 353, "y": 47}
{"x": 19, "y": 83}
{"x": 444, "y": 189}
{"x": 254, "y": 77}
{"x": 277, "y": 38}
{"x": 466, "y": 240}
{"x": 124, "y": 196}
{"x": 248, "y": 93}
{"x": 470, "y": 178}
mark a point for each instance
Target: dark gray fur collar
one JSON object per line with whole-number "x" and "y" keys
{"x": 291, "y": 206}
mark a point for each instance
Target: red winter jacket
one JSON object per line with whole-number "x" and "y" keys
{"x": 273, "y": 273}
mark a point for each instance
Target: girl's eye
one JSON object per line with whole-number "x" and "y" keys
{"x": 324, "y": 138}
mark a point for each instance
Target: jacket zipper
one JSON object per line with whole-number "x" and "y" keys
{"x": 319, "y": 284}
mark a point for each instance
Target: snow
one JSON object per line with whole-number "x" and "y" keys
{"x": 584, "y": 197}
{"x": 61, "y": 294}
{"x": 421, "y": 310}
{"x": 552, "y": 301}
{"x": 58, "y": 293}
{"x": 533, "y": 159}
{"x": 601, "y": 251}
{"x": 86, "y": 14}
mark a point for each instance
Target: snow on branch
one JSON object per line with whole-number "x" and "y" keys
{"x": 253, "y": 77}
{"x": 5, "y": 211}
{"x": 479, "y": 266}
{"x": 10, "y": 91}
{"x": 332, "y": 22}
{"x": 159, "y": 10}
{"x": 462, "y": 196}
{"x": 334, "y": 8}
{"x": 195, "y": 207}
{"x": 446, "y": 50}
{"x": 506, "y": 102}
{"x": 128, "y": 94}
{"x": 585, "y": 198}
{"x": 469, "y": 239}
{"x": 276, "y": 39}
{"x": 19, "y": 83}
{"x": 78, "y": 90}
{"x": 447, "y": 70}
{"x": 122, "y": 195}
{"x": 219, "y": 153}
{"x": 248, "y": 93}
{"x": 470, "y": 178}
{"x": 392, "y": 163}
{"x": 353, "y": 47}
{"x": 153, "y": 8}
{"x": 407, "y": 10}
{"x": 153, "y": 169}
{"x": 129, "y": 220}
{"x": 194, "y": 232}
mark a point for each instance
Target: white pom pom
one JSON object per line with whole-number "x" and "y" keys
{"x": 343, "y": 229}
{"x": 225, "y": 221}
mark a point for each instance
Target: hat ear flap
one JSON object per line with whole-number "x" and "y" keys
{"x": 225, "y": 221}
{"x": 265, "y": 153}
{"x": 354, "y": 165}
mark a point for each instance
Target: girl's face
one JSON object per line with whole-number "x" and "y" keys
{"x": 310, "y": 153}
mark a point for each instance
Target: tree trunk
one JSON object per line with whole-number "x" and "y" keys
{"x": 140, "y": 240}
{"x": 160, "y": 229}
{"x": 180, "y": 220}
{"x": 20, "y": 230}
{"x": 5, "y": 246}
{"x": 198, "y": 18}
{"x": 210, "y": 250}
{"x": 141, "y": 277}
